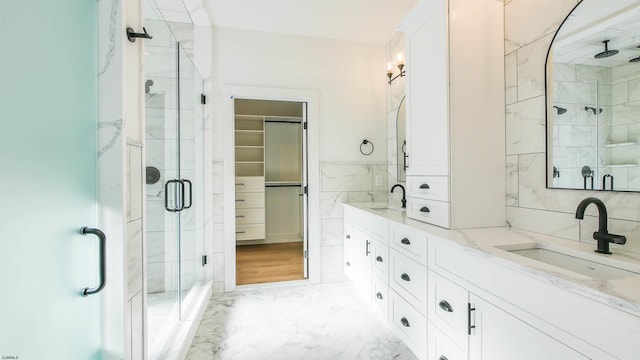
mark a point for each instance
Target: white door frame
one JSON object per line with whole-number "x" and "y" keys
{"x": 311, "y": 97}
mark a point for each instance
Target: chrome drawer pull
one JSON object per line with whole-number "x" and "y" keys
{"x": 348, "y": 236}
{"x": 444, "y": 305}
{"x": 424, "y": 209}
{"x": 348, "y": 263}
{"x": 405, "y": 277}
{"x": 379, "y": 296}
{"x": 424, "y": 186}
{"x": 405, "y": 322}
{"x": 442, "y": 357}
{"x": 379, "y": 259}
{"x": 405, "y": 241}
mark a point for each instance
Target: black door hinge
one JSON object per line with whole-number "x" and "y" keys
{"x": 306, "y": 254}
{"x": 306, "y": 190}
{"x": 203, "y": 99}
{"x": 204, "y": 260}
{"x": 304, "y": 125}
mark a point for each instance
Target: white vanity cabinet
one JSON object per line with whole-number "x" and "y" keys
{"x": 455, "y": 113}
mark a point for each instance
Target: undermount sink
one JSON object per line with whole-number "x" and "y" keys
{"x": 384, "y": 208}
{"x": 573, "y": 263}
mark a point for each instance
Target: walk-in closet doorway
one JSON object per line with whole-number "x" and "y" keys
{"x": 270, "y": 191}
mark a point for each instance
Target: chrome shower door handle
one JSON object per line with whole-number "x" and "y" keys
{"x": 185, "y": 181}
{"x": 103, "y": 260}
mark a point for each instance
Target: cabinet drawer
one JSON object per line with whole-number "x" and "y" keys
{"x": 250, "y": 232}
{"x": 429, "y": 187}
{"x": 381, "y": 296}
{"x": 250, "y": 216}
{"x": 409, "y": 242}
{"x": 448, "y": 307}
{"x": 429, "y": 211}
{"x": 409, "y": 279}
{"x": 249, "y": 200}
{"x": 408, "y": 323}
{"x": 249, "y": 184}
{"x": 381, "y": 259}
{"x": 440, "y": 347}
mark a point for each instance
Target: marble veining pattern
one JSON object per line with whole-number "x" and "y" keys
{"x": 324, "y": 322}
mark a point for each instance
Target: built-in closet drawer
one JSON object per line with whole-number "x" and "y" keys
{"x": 429, "y": 211}
{"x": 250, "y": 216}
{"x": 250, "y": 184}
{"x": 409, "y": 279}
{"x": 380, "y": 289}
{"x": 381, "y": 259}
{"x": 249, "y": 232}
{"x": 441, "y": 347}
{"x": 411, "y": 324}
{"x": 409, "y": 242}
{"x": 429, "y": 187}
{"x": 448, "y": 307}
{"x": 249, "y": 200}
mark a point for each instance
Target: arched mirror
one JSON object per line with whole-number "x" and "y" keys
{"x": 593, "y": 98}
{"x": 402, "y": 140}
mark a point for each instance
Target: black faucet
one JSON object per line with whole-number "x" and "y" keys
{"x": 404, "y": 197}
{"x": 602, "y": 235}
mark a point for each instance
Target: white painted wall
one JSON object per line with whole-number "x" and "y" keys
{"x": 352, "y": 96}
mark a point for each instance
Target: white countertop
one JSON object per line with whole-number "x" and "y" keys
{"x": 623, "y": 293}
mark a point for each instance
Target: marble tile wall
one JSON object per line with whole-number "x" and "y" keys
{"x": 529, "y": 27}
{"x": 578, "y": 89}
{"x": 395, "y": 95}
{"x": 344, "y": 183}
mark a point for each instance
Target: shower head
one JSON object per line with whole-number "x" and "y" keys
{"x": 560, "y": 110}
{"x": 637, "y": 59}
{"x": 606, "y": 53}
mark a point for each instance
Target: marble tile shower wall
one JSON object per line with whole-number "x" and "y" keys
{"x": 626, "y": 123}
{"x": 577, "y": 89}
{"x": 344, "y": 183}
{"x": 529, "y": 28}
{"x": 395, "y": 94}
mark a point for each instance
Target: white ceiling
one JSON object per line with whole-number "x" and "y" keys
{"x": 367, "y": 21}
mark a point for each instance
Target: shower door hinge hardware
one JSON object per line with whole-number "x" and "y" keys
{"x": 304, "y": 125}
{"x": 306, "y": 254}
{"x": 203, "y": 99}
{"x": 204, "y": 260}
{"x": 132, "y": 35}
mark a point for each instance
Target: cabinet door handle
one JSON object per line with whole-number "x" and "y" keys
{"x": 348, "y": 263}
{"x": 442, "y": 357}
{"x": 379, "y": 259}
{"x": 367, "y": 249}
{"x": 348, "y": 236}
{"x": 405, "y": 241}
{"x": 444, "y": 305}
{"x": 405, "y": 277}
{"x": 405, "y": 322}
{"x": 424, "y": 209}
{"x": 379, "y": 296}
{"x": 239, "y": 216}
{"x": 424, "y": 186}
{"x": 469, "y": 310}
{"x": 239, "y": 232}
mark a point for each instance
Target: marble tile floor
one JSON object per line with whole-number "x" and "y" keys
{"x": 294, "y": 322}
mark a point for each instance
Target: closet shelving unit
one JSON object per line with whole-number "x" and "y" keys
{"x": 268, "y": 163}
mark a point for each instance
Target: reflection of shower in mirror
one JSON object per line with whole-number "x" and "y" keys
{"x": 560, "y": 110}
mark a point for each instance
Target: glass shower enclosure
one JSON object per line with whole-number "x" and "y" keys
{"x": 174, "y": 150}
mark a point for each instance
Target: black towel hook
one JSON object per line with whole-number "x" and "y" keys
{"x": 132, "y": 35}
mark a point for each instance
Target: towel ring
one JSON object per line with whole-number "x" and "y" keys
{"x": 364, "y": 143}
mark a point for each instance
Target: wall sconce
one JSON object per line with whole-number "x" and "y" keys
{"x": 400, "y": 65}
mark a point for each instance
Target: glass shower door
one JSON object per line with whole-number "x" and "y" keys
{"x": 48, "y": 157}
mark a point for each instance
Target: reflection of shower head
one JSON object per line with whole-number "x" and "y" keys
{"x": 637, "y": 59}
{"x": 606, "y": 53}
{"x": 594, "y": 110}
{"x": 147, "y": 86}
{"x": 560, "y": 110}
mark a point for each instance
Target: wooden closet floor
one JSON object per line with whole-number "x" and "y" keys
{"x": 266, "y": 263}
